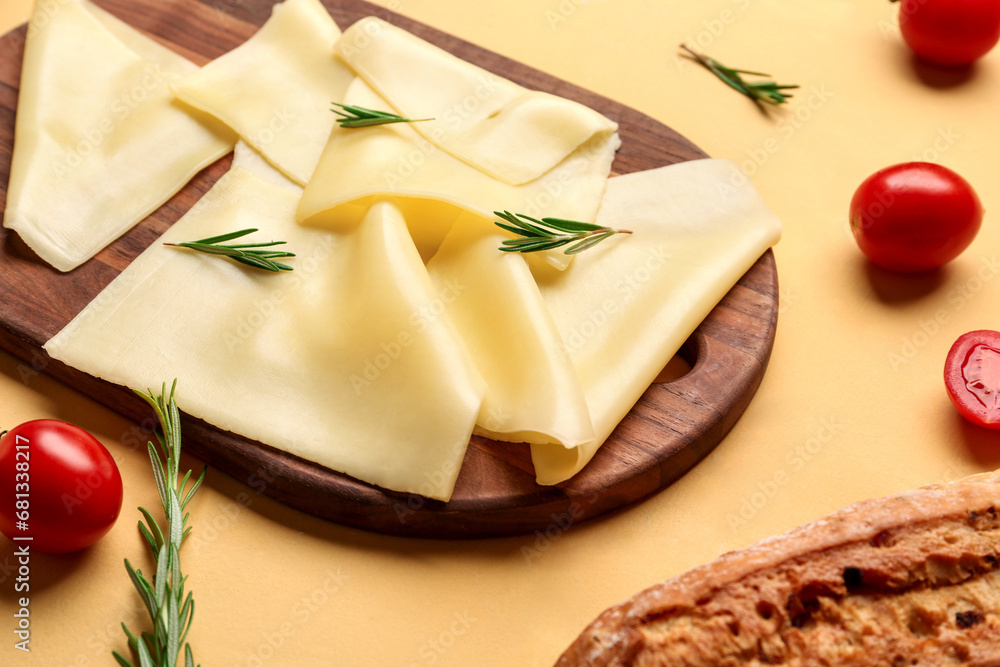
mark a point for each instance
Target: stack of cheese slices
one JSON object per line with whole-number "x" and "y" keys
{"x": 402, "y": 330}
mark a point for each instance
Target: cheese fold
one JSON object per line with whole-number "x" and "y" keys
{"x": 395, "y": 160}
{"x": 99, "y": 140}
{"x": 275, "y": 89}
{"x": 533, "y": 394}
{"x": 626, "y": 306}
{"x": 345, "y": 361}
{"x": 511, "y": 133}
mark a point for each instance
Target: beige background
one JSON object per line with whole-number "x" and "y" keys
{"x": 852, "y": 405}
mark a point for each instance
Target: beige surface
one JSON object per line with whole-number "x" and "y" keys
{"x": 852, "y": 405}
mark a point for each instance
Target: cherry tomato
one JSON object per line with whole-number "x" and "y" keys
{"x": 950, "y": 32}
{"x": 58, "y": 485}
{"x": 914, "y": 216}
{"x": 972, "y": 377}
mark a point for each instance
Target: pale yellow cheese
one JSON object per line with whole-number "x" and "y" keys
{"x": 346, "y": 361}
{"x": 276, "y": 89}
{"x": 99, "y": 140}
{"x": 513, "y": 134}
{"x": 627, "y": 305}
{"x": 434, "y": 186}
{"x": 144, "y": 47}
{"x": 245, "y": 157}
{"x": 533, "y": 393}
{"x": 365, "y": 361}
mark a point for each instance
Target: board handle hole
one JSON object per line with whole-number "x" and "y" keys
{"x": 680, "y": 364}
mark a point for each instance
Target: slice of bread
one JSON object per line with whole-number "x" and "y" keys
{"x": 912, "y": 579}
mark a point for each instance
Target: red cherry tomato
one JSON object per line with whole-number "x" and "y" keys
{"x": 914, "y": 216}
{"x": 950, "y": 32}
{"x": 972, "y": 377}
{"x": 58, "y": 485}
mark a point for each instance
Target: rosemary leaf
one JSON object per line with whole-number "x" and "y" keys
{"x": 354, "y": 116}
{"x": 530, "y": 233}
{"x": 543, "y": 234}
{"x": 587, "y": 243}
{"x": 170, "y": 608}
{"x": 244, "y": 253}
{"x": 758, "y": 91}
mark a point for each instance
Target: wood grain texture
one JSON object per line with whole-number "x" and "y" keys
{"x": 669, "y": 430}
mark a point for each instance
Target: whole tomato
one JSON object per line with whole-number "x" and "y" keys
{"x": 972, "y": 377}
{"x": 950, "y": 32}
{"x": 58, "y": 485}
{"x": 914, "y": 216}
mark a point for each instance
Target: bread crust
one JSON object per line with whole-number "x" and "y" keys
{"x": 911, "y": 579}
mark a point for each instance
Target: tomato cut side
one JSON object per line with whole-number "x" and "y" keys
{"x": 972, "y": 377}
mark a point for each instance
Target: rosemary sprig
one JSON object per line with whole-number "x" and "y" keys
{"x": 548, "y": 233}
{"x": 244, "y": 253}
{"x": 354, "y": 116}
{"x": 758, "y": 91}
{"x": 169, "y": 607}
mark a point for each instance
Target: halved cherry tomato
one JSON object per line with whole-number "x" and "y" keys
{"x": 914, "y": 216}
{"x": 950, "y": 32}
{"x": 972, "y": 377}
{"x": 59, "y": 486}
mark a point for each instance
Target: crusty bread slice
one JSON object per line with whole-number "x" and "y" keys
{"x": 912, "y": 579}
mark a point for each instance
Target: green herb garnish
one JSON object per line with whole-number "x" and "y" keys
{"x": 758, "y": 91}
{"x": 548, "y": 233}
{"x": 242, "y": 253}
{"x": 170, "y": 608}
{"x": 353, "y": 116}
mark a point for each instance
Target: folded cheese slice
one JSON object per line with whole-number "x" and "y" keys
{"x": 99, "y": 140}
{"x": 275, "y": 89}
{"x": 345, "y": 361}
{"x": 364, "y": 163}
{"x": 626, "y": 306}
{"x": 509, "y": 132}
{"x": 245, "y": 157}
{"x": 533, "y": 393}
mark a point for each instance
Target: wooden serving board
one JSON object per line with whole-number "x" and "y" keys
{"x": 672, "y": 427}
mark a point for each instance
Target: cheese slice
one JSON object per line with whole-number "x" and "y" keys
{"x": 276, "y": 89}
{"x": 361, "y": 164}
{"x": 627, "y": 305}
{"x": 533, "y": 393}
{"x": 99, "y": 140}
{"x": 345, "y": 361}
{"x": 513, "y": 134}
{"x": 245, "y": 157}
{"x": 144, "y": 47}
